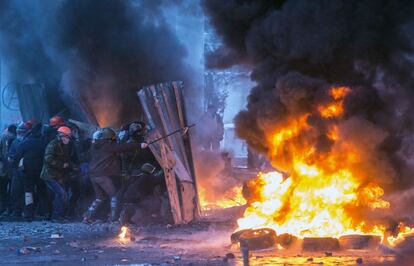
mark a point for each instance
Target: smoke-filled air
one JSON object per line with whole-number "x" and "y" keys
{"x": 96, "y": 53}
{"x": 207, "y": 132}
{"x": 331, "y": 109}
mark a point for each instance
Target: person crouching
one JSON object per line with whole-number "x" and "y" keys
{"x": 105, "y": 165}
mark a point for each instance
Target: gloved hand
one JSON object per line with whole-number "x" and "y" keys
{"x": 144, "y": 145}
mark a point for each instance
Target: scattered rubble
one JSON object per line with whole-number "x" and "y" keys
{"x": 28, "y": 250}
{"x": 56, "y": 252}
{"x": 73, "y": 244}
{"x": 56, "y": 236}
{"x": 155, "y": 245}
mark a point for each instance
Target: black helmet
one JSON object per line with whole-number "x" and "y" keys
{"x": 105, "y": 133}
{"x": 137, "y": 127}
{"x": 12, "y": 129}
{"x": 23, "y": 128}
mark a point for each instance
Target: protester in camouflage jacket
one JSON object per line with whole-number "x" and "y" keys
{"x": 59, "y": 165}
{"x": 60, "y": 160}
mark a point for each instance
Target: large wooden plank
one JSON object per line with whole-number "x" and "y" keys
{"x": 172, "y": 188}
{"x": 181, "y": 171}
{"x": 163, "y": 106}
{"x": 175, "y": 124}
{"x": 178, "y": 93}
{"x": 188, "y": 195}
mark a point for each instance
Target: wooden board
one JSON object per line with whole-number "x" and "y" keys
{"x": 164, "y": 110}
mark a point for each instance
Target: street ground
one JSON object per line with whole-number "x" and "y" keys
{"x": 206, "y": 242}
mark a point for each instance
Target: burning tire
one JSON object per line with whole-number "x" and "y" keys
{"x": 320, "y": 244}
{"x": 235, "y": 237}
{"x": 258, "y": 239}
{"x": 359, "y": 241}
{"x": 286, "y": 240}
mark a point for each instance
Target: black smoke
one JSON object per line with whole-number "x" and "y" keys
{"x": 299, "y": 48}
{"x": 97, "y": 53}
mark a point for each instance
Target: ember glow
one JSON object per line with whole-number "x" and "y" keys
{"x": 232, "y": 197}
{"x": 123, "y": 235}
{"x": 327, "y": 193}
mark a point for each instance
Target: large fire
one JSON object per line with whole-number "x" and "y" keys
{"x": 325, "y": 191}
{"x": 232, "y": 197}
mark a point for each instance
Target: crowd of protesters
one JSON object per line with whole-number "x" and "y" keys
{"x": 57, "y": 172}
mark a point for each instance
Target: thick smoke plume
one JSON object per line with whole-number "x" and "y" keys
{"x": 300, "y": 49}
{"x": 98, "y": 52}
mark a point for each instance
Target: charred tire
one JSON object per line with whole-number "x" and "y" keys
{"x": 320, "y": 244}
{"x": 359, "y": 241}
{"x": 258, "y": 239}
{"x": 286, "y": 240}
{"x": 235, "y": 237}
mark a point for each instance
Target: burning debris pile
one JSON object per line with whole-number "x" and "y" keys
{"x": 329, "y": 191}
{"x": 331, "y": 111}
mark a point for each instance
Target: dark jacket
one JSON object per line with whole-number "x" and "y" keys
{"x": 104, "y": 157}
{"x": 5, "y": 145}
{"x": 31, "y": 150}
{"x": 56, "y": 155}
{"x": 49, "y": 133}
{"x": 132, "y": 161}
{"x": 144, "y": 186}
{"x": 14, "y": 164}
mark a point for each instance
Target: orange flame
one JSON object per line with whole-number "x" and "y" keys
{"x": 339, "y": 93}
{"x": 123, "y": 235}
{"x": 232, "y": 197}
{"x": 334, "y": 109}
{"x": 326, "y": 193}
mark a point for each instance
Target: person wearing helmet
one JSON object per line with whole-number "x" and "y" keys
{"x": 132, "y": 132}
{"x": 79, "y": 185}
{"x": 50, "y": 131}
{"x": 105, "y": 164}
{"x": 30, "y": 152}
{"x": 17, "y": 183}
{"x": 143, "y": 175}
{"x": 5, "y": 175}
{"x": 60, "y": 162}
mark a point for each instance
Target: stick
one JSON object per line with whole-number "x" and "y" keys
{"x": 185, "y": 129}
